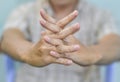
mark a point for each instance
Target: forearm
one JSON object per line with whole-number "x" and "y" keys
{"x": 109, "y": 48}
{"x": 0, "y": 48}
{"x": 14, "y": 44}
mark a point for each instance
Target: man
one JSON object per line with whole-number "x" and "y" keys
{"x": 96, "y": 43}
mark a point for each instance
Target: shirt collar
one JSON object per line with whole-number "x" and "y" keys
{"x": 81, "y": 5}
{"x": 45, "y": 4}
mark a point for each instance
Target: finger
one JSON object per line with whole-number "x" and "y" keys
{"x": 68, "y": 31}
{"x": 56, "y": 55}
{"x": 63, "y": 61}
{"x": 43, "y": 33}
{"x": 71, "y": 40}
{"x": 46, "y": 16}
{"x": 67, "y": 49}
{"x": 52, "y": 41}
{"x": 63, "y": 22}
{"x": 37, "y": 45}
{"x": 49, "y": 26}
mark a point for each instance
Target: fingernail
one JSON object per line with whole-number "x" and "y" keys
{"x": 43, "y": 32}
{"x": 77, "y": 26}
{"x": 75, "y": 12}
{"x": 53, "y": 53}
{"x": 42, "y": 11}
{"x": 69, "y": 62}
{"x": 43, "y": 22}
{"x": 76, "y": 47}
{"x": 47, "y": 38}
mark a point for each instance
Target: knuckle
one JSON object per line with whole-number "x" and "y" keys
{"x": 50, "y": 26}
{"x": 64, "y": 49}
{"x": 58, "y": 42}
{"x": 69, "y": 17}
{"x": 57, "y": 29}
{"x": 45, "y": 25}
{"x": 71, "y": 29}
{"x": 60, "y": 49}
{"x": 67, "y": 55}
{"x": 43, "y": 48}
{"x": 60, "y": 23}
{"x": 61, "y": 60}
{"x": 53, "y": 48}
{"x": 61, "y": 36}
{"x": 69, "y": 49}
{"x": 46, "y": 16}
{"x": 72, "y": 48}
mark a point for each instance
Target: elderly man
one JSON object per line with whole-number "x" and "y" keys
{"x": 61, "y": 42}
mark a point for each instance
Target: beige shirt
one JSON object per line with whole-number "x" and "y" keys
{"x": 94, "y": 23}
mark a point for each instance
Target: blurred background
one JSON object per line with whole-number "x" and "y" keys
{"x": 6, "y": 6}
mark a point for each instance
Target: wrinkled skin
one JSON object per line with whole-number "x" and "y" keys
{"x": 39, "y": 53}
{"x": 84, "y": 56}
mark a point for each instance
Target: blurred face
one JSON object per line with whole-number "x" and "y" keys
{"x": 62, "y": 2}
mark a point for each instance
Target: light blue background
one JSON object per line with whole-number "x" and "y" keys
{"x": 113, "y": 6}
{"x": 7, "y": 5}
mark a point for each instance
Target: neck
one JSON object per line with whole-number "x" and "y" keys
{"x": 63, "y": 10}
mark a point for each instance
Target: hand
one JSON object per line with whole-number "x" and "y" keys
{"x": 39, "y": 53}
{"x": 53, "y": 27}
{"x": 84, "y": 56}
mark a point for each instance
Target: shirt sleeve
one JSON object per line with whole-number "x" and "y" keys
{"x": 18, "y": 19}
{"x": 107, "y": 26}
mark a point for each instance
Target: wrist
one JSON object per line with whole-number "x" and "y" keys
{"x": 97, "y": 54}
{"x": 24, "y": 51}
